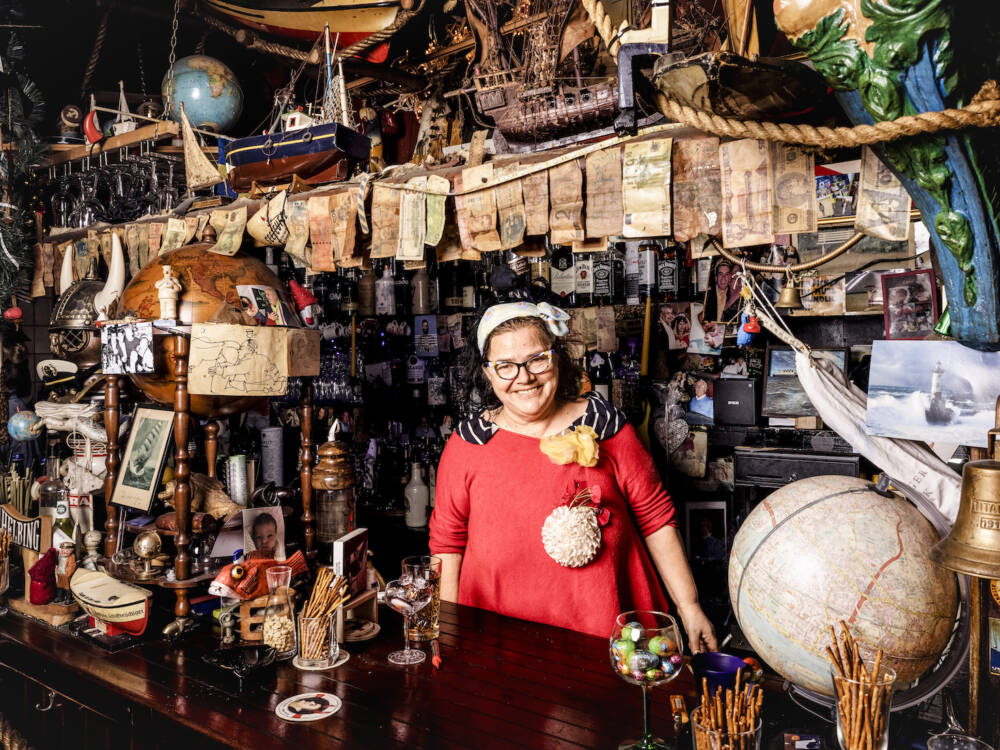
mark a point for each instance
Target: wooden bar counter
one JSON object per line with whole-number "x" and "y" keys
{"x": 504, "y": 683}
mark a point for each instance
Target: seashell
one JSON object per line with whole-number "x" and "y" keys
{"x": 571, "y": 536}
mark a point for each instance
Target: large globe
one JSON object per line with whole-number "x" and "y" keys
{"x": 208, "y": 280}
{"x": 827, "y": 549}
{"x": 211, "y": 95}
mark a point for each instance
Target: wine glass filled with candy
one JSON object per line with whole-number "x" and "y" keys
{"x": 645, "y": 649}
{"x": 408, "y": 595}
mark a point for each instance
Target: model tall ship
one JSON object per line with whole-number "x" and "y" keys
{"x": 315, "y": 143}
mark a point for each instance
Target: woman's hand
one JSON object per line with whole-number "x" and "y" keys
{"x": 701, "y": 634}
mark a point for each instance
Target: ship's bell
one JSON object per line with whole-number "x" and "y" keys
{"x": 973, "y": 546}
{"x": 789, "y": 298}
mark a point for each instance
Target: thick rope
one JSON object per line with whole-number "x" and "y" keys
{"x": 602, "y": 21}
{"x": 95, "y": 55}
{"x": 982, "y": 112}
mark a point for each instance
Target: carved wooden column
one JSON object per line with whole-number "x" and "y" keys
{"x": 182, "y": 404}
{"x": 306, "y": 457}
{"x": 112, "y": 411}
{"x": 211, "y": 445}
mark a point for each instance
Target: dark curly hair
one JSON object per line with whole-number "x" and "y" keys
{"x": 476, "y": 391}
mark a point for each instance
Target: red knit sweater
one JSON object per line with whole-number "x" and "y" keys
{"x": 490, "y": 504}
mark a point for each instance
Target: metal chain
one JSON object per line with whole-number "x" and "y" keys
{"x": 171, "y": 60}
{"x": 142, "y": 67}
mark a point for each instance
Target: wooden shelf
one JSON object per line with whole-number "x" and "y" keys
{"x": 156, "y": 132}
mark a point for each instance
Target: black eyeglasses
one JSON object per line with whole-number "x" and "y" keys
{"x": 535, "y": 366}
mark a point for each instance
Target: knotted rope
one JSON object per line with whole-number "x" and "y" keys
{"x": 982, "y": 112}
{"x": 95, "y": 54}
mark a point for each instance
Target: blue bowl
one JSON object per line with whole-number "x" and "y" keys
{"x": 718, "y": 668}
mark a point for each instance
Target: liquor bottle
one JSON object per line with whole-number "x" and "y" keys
{"x": 50, "y": 491}
{"x": 348, "y": 289}
{"x": 417, "y": 497}
{"x": 433, "y": 290}
{"x": 647, "y": 269}
{"x": 668, "y": 272}
{"x": 517, "y": 263}
{"x": 484, "y": 287}
{"x": 451, "y": 290}
{"x": 385, "y": 293}
{"x": 420, "y": 292}
{"x": 467, "y": 281}
{"x": 563, "y": 276}
{"x": 631, "y": 273}
{"x": 601, "y": 374}
{"x": 617, "y": 252}
{"x": 604, "y": 278}
{"x": 63, "y": 527}
{"x": 583, "y": 268}
{"x": 404, "y": 300}
{"x": 320, "y": 286}
{"x": 541, "y": 271}
{"x": 366, "y": 293}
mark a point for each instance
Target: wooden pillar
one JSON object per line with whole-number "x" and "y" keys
{"x": 306, "y": 457}
{"x": 182, "y": 404}
{"x": 211, "y": 445}
{"x": 112, "y": 411}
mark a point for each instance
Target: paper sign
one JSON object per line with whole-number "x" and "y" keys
{"x": 646, "y": 174}
{"x": 607, "y": 339}
{"x": 230, "y": 360}
{"x": 461, "y": 213}
{"x": 566, "y": 196}
{"x": 604, "y": 193}
{"x": 81, "y": 257}
{"x": 190, "y": 227}
{"x": 745, "y": 168}
{"x": 131, "y": 246}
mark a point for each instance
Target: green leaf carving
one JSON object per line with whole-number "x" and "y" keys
{"x": 840, "y": 61}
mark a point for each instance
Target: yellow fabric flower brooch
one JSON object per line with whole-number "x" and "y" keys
{"x": 577, "y": 445}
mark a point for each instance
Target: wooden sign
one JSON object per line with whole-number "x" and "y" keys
{"x": 29, "y": 533}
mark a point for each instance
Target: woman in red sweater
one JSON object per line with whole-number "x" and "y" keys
{"x": 547, "y": 506}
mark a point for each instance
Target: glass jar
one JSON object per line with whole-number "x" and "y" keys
{"x": 279, "y": 615}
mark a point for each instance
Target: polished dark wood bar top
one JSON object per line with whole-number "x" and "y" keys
{"x": 503, "y": 683}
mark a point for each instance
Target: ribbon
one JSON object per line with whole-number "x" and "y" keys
{"x": 555, "y": 318}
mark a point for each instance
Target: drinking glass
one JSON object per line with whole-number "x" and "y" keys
{"x": 863, "y": 708}
{"x": 425, "y": 625}
{"x": 705, "y": 738}
{"x": 645, "y": 650}
{"x": 318, "y": 647}
{"x": 408, "y": 595}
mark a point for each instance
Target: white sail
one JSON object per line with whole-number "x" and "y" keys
{"x": 199, "y": 171}
{"x": 124, "y": 122}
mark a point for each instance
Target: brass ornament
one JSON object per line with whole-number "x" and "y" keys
{"x": 973, "y": 546}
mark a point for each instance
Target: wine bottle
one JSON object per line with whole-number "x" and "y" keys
{"x": 563, "y": 275}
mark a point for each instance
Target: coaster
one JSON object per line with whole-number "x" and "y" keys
{"x": 308, "y": 707}
{"x": 342, "y": 658}
{"x": 360, "y": 630}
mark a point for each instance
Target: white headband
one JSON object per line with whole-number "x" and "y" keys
{"x": 554, "y": 318}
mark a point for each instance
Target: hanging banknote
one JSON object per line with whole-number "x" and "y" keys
{"x": 795, "y": 206}
{"x": 297, "y": 217}
{"x": 481, "y": 208}
{"x": 566, "y": 197}
{"x": 155, "y": 239}
{"x": 604, "y": 193}
{"x": 535, "y": 191}
{"x": 437, "y": 187}
{"x": 320, "y": 233}
{"x": 697, "y": 205}
{"x": 413, "y": 220}
{"x": 385, "y": 221}
{"x": 510, "y": 208}
{"x": 745, "y": 168}
{"x": 174, "y": 236}
{"x": 646, "y": 188}
{"x": 230, "y": 238}
{"x": 343, "y": 217}
{"x": 883, "y": 203}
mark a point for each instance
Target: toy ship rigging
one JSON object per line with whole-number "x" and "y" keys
{"x": 316, "y": 144}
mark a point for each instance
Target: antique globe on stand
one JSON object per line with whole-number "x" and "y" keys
{"x": 208, "y": 281}
{"x": 211, "y": 94}
{"x": 829, "y": 549}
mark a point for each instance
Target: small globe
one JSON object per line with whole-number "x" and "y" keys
{"x": 24, "y": 425}
{"x": 208, "y": 281}
{"x": 148, "y": 544}
{"x": 211, "y": 94}
{"x": 827, "y": 549}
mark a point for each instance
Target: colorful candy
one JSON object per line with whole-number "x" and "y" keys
{"x": 632, "y": 631}
{"x": 642, "y": 660}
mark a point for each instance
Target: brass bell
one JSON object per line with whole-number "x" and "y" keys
{"x": 789, "y": 298}
{"x": 973, "y": 546}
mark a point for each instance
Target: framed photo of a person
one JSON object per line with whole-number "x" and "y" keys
{"x": 910, "y": 302}
{"x": 149, "y": 442}
{"x": 264, "y": 532}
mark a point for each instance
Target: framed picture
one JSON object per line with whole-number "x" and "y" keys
{"x": 145, "y": 455}
{"x": 783, "y": 393}
{"x": 910, "y": 303}
{"x": 705, "y": 530}
{"x": 264, "y": 532}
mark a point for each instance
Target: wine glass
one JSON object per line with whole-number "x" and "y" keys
{"x": 407, "y": 595}
{"x": 645, "y": 649}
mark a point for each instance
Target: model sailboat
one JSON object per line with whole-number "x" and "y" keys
{"x": 124, "y": 122}
{"x": 316, "y": 144}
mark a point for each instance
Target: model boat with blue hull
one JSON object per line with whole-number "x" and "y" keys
{"x": 317, "y": 153}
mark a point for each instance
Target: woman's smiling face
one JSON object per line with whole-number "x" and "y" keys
{"x": 527, "y": 397}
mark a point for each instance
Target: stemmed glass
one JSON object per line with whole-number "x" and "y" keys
{"x": 645, "y": 649}
{"x": 407, "y": 595}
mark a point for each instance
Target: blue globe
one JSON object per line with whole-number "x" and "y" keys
{"x": 20, "y": 425}
{"x": 211, "y": 94}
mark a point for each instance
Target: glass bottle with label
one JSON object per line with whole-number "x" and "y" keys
{"x": 604, "y": 278}
{"x": 402, "y": 290}
{"x": 631, "y": 273}
{"x": 420, "y": 292}
{"x": 417, "y": 497}
{"x": 563, "y": 275}
{"x": 451, "y": 290}
{"x": 668, "y": 271}
{"x": 385, "y": 293}
{"x": 348, "y": 286}
{"x": 63, "y": 527}
{"x": 648, "y": 256}
{"x": 366, "y": 293}
{"x": 583, "y": 268}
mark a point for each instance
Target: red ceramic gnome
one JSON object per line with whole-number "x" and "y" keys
{"x": 43, "y": 578}
{"x": 306, "y": 303}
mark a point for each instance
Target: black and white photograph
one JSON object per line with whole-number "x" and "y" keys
{"x": 935, "y": 391}
{"x": 910, "y": 302}
{"x": 264, "y": 532}
{"x": 127, "y": 348}
{"x": 705, "y": 530}
{"x": 783, "y": 393}
{"x": 149, "y": 442}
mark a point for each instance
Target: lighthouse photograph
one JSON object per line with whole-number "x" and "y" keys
{"x": 935, "y": 391}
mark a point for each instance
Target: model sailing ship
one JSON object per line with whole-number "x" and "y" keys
{"x": 316, "y": 144}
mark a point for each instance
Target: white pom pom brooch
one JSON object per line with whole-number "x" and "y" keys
{"x": 571, "y": 534}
